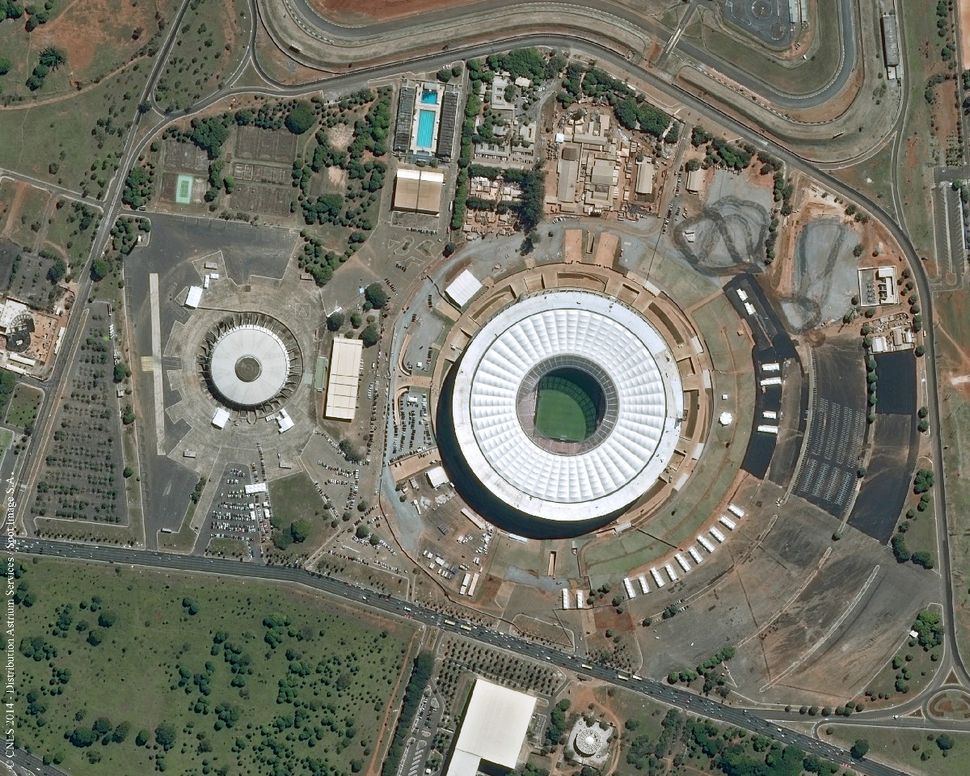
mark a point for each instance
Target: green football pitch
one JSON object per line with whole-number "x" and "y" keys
{"x": 564, "y": 408}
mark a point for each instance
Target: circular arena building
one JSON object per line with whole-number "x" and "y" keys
{"x": 566, "y": 407}
{"x": 250, "y": 362}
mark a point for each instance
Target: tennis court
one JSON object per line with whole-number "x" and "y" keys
{"x": 183, "y": 189}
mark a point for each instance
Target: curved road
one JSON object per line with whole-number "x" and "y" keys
{"x": 399, "y": 28}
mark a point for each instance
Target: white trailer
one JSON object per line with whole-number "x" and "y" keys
{"x": 565, "y": 598}
{"x": 580, "y": 599}
{"x": 643, "y": 584}
{"x": 628, "y": 586}
{"x": 705, "y": 543}
{"x": 727, "y": 522}
{"x": 736, "y": 511}
{"x": 717, "y": 534}
{"x": 682, "y": 562}
{"x": 670, "y": 572}
{"x": 695, "y": 554}
{"x": 657, "y": 578}
{"x": 765, "y": 428}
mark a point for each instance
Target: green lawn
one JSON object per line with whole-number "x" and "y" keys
{"x": 250, "y": 677}
{"x": 22, "y": 410}
{"x": 72, "y": 230}
{"x": 295, "y": 500}
{"x": 565, "y": 410}
{"x": 62, "y": 141}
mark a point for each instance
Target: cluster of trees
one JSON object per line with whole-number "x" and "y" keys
{"x": 922, "y": 483}
{"x": 903, "y": 554}
{"x": 36, "y": 14}
{"x": 556, "y": 729}
{"x": 711, "y": 669}
{"x": 101, "y": 731}
{"x": 729, "y": 751}
{"x": 138, "y": 187}
{"x": 295, "y": 533}
{"x": 929, "y": 629}
{"x": 50, "y": 59}
{"x": 301, "y": 118}
{"x": 420, "y": 676}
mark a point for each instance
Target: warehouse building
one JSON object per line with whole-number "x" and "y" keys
{"x": 344, "y": 378}
{"x": 493, "y": 730}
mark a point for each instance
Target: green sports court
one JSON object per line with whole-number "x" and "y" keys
{"x": 183, "y": 189}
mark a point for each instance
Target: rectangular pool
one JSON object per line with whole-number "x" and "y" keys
{"x": 425, "y": 128}
{"x": 429, "y": 97}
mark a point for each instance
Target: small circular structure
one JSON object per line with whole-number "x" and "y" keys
{"x": 588, "y": 743}
{"x": 606, "y": 430}
{"x": 250, "y": 361}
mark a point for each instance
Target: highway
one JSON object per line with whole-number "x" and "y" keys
{"x": 742, "y": 718}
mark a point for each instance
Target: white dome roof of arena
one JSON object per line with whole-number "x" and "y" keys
{"x": 249, "y": 365}
{"x": 635, "y": 434}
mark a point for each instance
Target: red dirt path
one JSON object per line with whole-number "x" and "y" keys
{"x": 363, "y": 11}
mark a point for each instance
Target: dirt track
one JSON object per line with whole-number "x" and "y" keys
{"x": 359, "y": 11}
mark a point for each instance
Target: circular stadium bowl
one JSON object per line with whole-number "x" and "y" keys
{"x": 566, "y": 407}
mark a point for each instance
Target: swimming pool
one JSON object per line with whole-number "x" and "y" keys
{"x": 429, "y": 97}
{"x": 425, "y": 128}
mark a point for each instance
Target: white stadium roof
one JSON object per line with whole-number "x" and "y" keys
{"x": 493, "y": 729}
{"x": 247, "y": 343}
{"x": 598, "y": 480}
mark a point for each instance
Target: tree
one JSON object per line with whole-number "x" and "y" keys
{"x": 335, "y": 320}
{"x": 165, "y": 736}
{"x": 362, "y": 531}
{"x": 4, "y": 65}
{"x": 99, "y": 269}
{"x": 859, "y": 749}
{"x": 376, "y": 295}
{"x": 371, "y": 335}
{"x": 300, "y": 118}
{"x": 944, "y": 741}
{"x": 56, "y": 272}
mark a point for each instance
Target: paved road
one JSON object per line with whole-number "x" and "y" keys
{"x": 111, "y": 208}
{"x": 742, "y": 718}
{"x": 399, "y": 30}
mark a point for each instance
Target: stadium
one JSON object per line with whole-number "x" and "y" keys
{"x": 250, "y": 361}
{"x": 564, "y": 409}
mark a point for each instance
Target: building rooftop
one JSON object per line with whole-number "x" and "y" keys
{"x": 493, "y": 729}
{"x": 622, "y": 352}
{"x": 344, "y": 378}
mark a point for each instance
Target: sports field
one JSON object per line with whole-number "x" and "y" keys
{"x": 566, "y": 406}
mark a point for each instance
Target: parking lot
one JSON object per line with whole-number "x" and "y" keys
{"x": 836, "y": 429}
{"x": 236, "y": 515}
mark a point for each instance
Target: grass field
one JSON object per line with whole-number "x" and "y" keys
{"x": 294, "y": 499}
{"x": 803, "y": 77}
{"x": 248, "y": 677}
{"x": 29, "y": 220}
{"x": 906, "y": 749}
{"x": 22, "y": 410}
{"x": 72, "y": 230}
{"x": 62, "y": 141}
{"x": 565, "y": 410}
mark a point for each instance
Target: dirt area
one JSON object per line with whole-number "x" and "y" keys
{"x": 100, "y": 35}
{"x": 340, "y": 136}
{"x": 963, "y": 15}
{"x": 362, "y": 11}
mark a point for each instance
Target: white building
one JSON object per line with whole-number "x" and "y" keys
{"x": 493, "y": 729}
{"x": 344, "y": 378}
